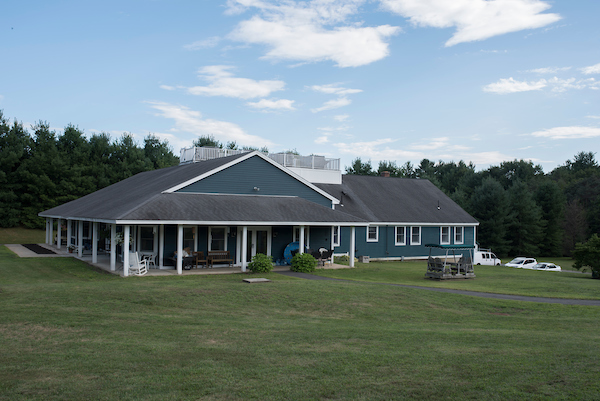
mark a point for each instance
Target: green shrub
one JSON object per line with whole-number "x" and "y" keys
{"x": 303, "y": 263}
{"x": 261, "y": 263}
{"x": 344, "y": 260}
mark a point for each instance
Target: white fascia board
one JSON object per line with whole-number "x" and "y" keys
{"x": 246, "y": 157}
{"x": 241, "y": 223}
{"x": 92, "y": 219}
{"x": 425, "y": 224}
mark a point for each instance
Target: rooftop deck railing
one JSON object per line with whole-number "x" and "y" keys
{"x": 196, "y": 154}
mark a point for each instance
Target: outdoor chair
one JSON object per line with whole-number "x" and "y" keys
{"x": 137, "y": 266}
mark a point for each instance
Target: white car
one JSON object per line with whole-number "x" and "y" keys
{"x": 551, "y": 267}
{"x": 522, "y": 263}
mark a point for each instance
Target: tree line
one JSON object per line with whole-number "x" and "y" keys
{"x": 41, "y": 170}
{"x": 521, "y": 210}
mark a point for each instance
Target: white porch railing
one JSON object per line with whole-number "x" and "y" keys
{"x": 196, "y": 154}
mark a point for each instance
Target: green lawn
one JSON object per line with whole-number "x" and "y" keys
{"x": 20, "y": 235}
{"x": 70, "y": 332}
{"x": 494, "y": 279}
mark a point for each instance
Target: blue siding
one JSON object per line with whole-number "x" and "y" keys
{"x": 386, "y": 246}
{"x": 242, "y": 178}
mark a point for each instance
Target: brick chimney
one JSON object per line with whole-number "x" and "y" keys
{"x": 385, "y": 174}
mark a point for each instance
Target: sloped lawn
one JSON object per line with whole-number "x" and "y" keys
{"x": 69, "y": 332}
{"x": 494, "y": 279}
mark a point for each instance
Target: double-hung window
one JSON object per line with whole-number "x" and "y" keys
{"x": 415, "y": 235}
{"x": 372, "y": 234}
{"x": 400, "y": 235}
{"x": 459, "y": 235}
{"x": 444, "y": 235}
{"x": 335, "y": 236}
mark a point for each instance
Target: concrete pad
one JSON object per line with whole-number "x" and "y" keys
{"x": 256, "y": 280}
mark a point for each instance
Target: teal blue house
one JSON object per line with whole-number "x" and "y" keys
{"x": 248, "y": 203}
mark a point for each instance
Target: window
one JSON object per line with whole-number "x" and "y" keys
{"x": 217, "y": 239}
{"x": 372, "y": 233}
{"x": 415, "y": 235}
{"x": 445, "y": 235}
{"x": 189, "y": 238}
{"x": 400, "y": 235}
{"x": 147, "y": 239}
{"x": 306, "y": 235}
{"x": 335, "y": 236}
{"x": 458, "y": 235}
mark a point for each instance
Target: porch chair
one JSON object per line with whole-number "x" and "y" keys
{"x": 137, "y": 266}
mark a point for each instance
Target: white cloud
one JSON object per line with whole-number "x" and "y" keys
{"x": 474, "y": 19}
{"x": 334, "y": 129}
{"x": 562, "y": 85}
{"x": 312, "y": 31}
{"x": 594, "y": 69}
{"x": 191, "y": 121}
{"x": 333, "y": 104}
{"x": 167, "y": 87}
{"x": 334, "y": 89}
{"x": 442, "y": 143}
{"x": 279, "y": 104}
{"x": 595, "y": 117}
{"x": 512, "y": 86}
{"x": 322, "y": 139}
{"x": 376, "y": 150}
{"x": 223, "y": 83}
{"x": 341, "y": 117}
{"x": 480, "y": 159}
{"x": 203, "y": 44}
{"x": 568, "y": 133}
{"x": 549, "y": 70}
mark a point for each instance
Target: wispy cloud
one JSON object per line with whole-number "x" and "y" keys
{"x": 334, "y": 89}
{"x": 510, "y": 85}
{"x": 549, "y": 70}
{"x": 333, "y": 104}
{"x": 223, "y": 83}
{"x": 191, "y": 122}
{"x": 574, "y": 132}
{"x": 593, "y": 69}
{"x": 441, "y": 143}
{"x": 312, "y": 31}
{"x": 271, "y": 105}
{"x": 203, "y": 44}
{"x": 474, "y": 19}
{"x": 341, "y": 117}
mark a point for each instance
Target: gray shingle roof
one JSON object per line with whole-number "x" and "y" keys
{"x": 396, "y": 200}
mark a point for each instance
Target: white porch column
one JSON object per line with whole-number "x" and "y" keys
{"x": 68, "y": 233}
{"x": 113, "y": 247}
{"x": 352, "y": 245}
{"x": 161, "y": 245}
{"x": 47, "y": 230}
{"x": 126, "y": 239}
{"x": 301, "y": 240}
{"x": 51, "y": 239}
{"x": 80, "y": 239}
{"x": 58, "y": 234}
{"x": 179, "y": 248}
{"x": 94, "y": 242}
{"x": 244, "y": 248}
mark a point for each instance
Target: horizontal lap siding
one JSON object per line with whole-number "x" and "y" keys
{"x": 242, "y": 178}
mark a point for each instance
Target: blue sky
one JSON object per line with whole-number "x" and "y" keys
{"x": 399, "y": 80}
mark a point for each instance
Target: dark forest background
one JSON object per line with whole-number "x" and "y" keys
{"x": 521, "y": 209}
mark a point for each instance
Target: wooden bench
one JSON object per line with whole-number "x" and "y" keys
{"x": 219, "y": 257}
{"x": 201, "y": 260}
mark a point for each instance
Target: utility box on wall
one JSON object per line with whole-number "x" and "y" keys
{"x": 363, "y": 259}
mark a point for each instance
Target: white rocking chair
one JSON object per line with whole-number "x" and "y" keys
{"x": 137, "y": 266}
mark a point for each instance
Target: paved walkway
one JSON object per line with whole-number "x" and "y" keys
{"x": 562, "y": 301}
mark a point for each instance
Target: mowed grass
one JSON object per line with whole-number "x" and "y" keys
{"x": 494, "y": 279}
{"x": 20, "y": 235}
{"x": 70, "y": 332}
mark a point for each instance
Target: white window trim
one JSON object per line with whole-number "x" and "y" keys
{"x": 376, "y": 234}
{"x": 411, "y": 235}
{"x": 339, "y": 236}
{"x": 462, "y": 235}
{"x": 306, "y": 235}
{"x": 396, "y": 235}
{"x": 442, "y": 242}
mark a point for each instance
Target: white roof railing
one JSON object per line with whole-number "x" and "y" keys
{"x": 315, "y": 162}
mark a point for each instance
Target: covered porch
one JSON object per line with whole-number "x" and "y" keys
{"x": 101, "y": 243}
